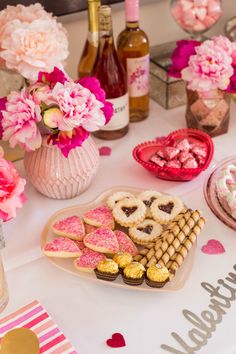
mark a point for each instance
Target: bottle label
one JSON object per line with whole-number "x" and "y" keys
{"x": 138, "y": 76}
{"x": 93, "y": 38}
{"x": 120, "y": 117}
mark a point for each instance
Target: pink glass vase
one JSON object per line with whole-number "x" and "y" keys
{"x": 208, "y": 111}
{"x": 58, "y": 177}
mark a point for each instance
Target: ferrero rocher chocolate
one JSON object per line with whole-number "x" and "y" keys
{"x": 157, "y": 273}
{"x": 108, "y": 266}
{"x": 123, "y": 259}
{"x": 134, "y": 270}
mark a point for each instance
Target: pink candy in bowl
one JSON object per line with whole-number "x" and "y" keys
{"x": 180, "y": 156}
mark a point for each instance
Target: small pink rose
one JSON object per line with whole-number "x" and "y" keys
{"x": 52, "y": 117}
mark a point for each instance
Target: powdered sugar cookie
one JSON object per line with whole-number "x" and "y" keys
{"x": 88, "y": 261}
{"x": 129, "y": 211}
{"x": 116, "y": 197}
{"x": 101, "y": 216}
{"x": 166, "y": 208}
{"x": 102, "y": 240}
{"x": 145, "y": 232}
{"x": 71, "y": 227}
{"x": 125, "y": 243}
{"x": 148, "y": 198}
{"x": 62, "y": 247}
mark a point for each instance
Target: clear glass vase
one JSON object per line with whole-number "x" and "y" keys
{"x": 3, "y": 284}
{"x": 196, "y": 16}
{"x": 208, "y": 111}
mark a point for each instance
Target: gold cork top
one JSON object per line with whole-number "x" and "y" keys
{"x": 134, "y": 270}
{"x": 123, "y": 259}
{"x": 108, "y": 266}
{"x": 157, "y": 273}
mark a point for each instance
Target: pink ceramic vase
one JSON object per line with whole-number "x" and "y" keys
{"x": 59, "y": 177}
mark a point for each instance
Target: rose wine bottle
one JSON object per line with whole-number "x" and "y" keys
{"x": 133, "y": 52}
{"x": 89, "y": 53}
{"x": 112, "y": 76}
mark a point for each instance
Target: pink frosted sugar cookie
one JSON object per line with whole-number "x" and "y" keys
{"x": 101, "y": 216}
{"x": 125, "y": 243}
{"x": 71, "y": 227}
{"x": 89, "y": 228}
{"x": 62, "y": 247}
{"x": 89, "y": 260}
{"x": 102, "y": 240}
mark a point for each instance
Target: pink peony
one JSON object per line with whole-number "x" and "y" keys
{"x": 32, "y": 47}
{"x": 93, "y": 84}
{"x": 3, "y": 102}
{"x": 181, "y": 55}
{"x": 11, "y": 190}
{"x": 210, "y": 69}
{"x": 20, "y": 120}
{"x": 79, "y": 107}
{"x": 224, "y": 43}
{"x": 53, "y": 77}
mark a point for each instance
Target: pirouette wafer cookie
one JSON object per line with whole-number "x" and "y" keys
{"x": 129, "y": 211}
{"x": 148, "y": 198}
{"x": 145, "y": 232}
{"x": 71, "y": 227}
{"x": 166, "y": 208}
{"x": 100, "y": 216}
{"x": 62, "y": 247}
{"x": 179, "y": 256}
{"x": 116, "y": 197}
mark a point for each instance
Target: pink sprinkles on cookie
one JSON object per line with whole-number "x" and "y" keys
{"x": 89, "y": 259}
{"x": 102, "y": 240}
{"x": 125, "y": 243}
{"x": 71, "y": 227}
{"x": 101, "y": 216}
{"x": 62, "y": 244}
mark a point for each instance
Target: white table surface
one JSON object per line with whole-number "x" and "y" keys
{"x": 89, "y": 313}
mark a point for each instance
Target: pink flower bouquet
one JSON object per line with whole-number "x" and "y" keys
{"x": 56, "y": 106}
{"x": 11, "y": 189}
{"x": 206, "y": 66}
{"x": 31, "y": 40}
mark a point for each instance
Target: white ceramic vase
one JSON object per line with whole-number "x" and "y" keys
{"x": 58, "y": 177}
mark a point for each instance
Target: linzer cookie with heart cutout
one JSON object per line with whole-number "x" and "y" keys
{"x": 129, "y": 211}
{"x": 116, "y": 197}
{"x": 148, "y": 198}
{"x": 166, "y": 208}
{"x": 145, "y": 232}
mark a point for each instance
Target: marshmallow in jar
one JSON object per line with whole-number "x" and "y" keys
{"x": 196, "y": 16}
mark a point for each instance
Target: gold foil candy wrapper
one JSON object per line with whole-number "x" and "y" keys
{"x": 108, "y": 266}
{"x": 134, "y": 270}
{"x": 123, "y": 259}
{"x": 157, "y": 273}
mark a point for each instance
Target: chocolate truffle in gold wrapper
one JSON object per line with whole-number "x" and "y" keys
{"x": 133, "y": 273}
{"x": 123, "y": 259}
{"x": 157, "y": 276}
{"x": 107, "y": 269}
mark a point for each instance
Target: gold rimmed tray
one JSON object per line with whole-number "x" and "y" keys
{"x": 67, "y": 264}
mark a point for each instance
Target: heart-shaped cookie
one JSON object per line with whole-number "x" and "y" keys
{"x": 19, "y": 341}
{"x": 102, "y": 240}
{"x": 148, "y": 198}
{"x": 62, "y": 247}
{"x": 129, "y": 211}
{"x": 125, "y": 243}
{"x": 145, "y": 232}
{"x": 89, "y": 260}
{"x": 101, "y": 216}
{"x": 166, "y": 208}
{"x": 213, "y": 247}
{"x": 71, "y": 227}
{"x": 116, "y": 341}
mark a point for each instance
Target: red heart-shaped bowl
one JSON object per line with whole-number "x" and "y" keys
{"x": 144, "y": 151}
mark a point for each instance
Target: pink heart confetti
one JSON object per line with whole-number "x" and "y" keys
{"x": 116, "y": 341}
{"x": 213, "y": 247}
{"x": 104, "y": 151}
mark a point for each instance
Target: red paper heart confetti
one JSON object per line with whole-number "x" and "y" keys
{"x": 104, "y": 151}
{"x": 116, "y": 341}
{"x": 213, "y": 247}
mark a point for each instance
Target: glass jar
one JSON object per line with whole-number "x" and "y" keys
{"x": 208, "y": 111}
{"x": 3, "y": 284}
{"x": 196, "y": 16}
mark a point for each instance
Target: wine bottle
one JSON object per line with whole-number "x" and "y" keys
{"x": 133, "y": 52}
{"x": 112, "y": 76}
{"x": 89, "y": 53}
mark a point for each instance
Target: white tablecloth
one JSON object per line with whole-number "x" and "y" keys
{"x": 89, "y": 313}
